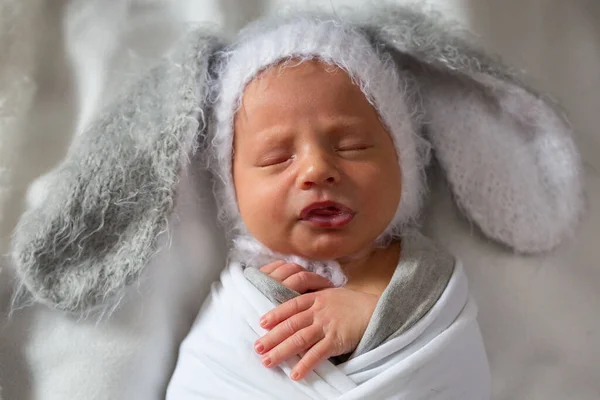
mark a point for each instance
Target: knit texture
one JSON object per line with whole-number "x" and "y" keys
{"x": 507, "y": 151}
{"x": 111, "y": 197}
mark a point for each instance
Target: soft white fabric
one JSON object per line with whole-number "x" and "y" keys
{"x": 217, "y": 359}
{"x": 536, "y": 314}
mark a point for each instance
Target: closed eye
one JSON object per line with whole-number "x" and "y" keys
{"x": 358, "y": 147}
{"x": 274, "y": 161}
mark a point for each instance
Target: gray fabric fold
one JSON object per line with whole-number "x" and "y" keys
{"x": 269, "y": 287}
{"x": 419, "y": 280}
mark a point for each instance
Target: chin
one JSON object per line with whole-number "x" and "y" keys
{"x": 328, "y": 248}
{"x": 323, "y": 255}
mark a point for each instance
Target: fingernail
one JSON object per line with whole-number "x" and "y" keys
{"x": 266, "y": 361}
{"x": 259, "y": 347}
{"x": 263, "y": 322}
{"x": 295, "y": 376}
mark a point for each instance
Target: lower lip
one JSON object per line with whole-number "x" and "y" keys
{"x": 330, "y": 221}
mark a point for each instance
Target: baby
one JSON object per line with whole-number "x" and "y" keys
{"x": 316, "y": 175}
{"x": 319, "y": 129}
{"x": 321, "y": 182}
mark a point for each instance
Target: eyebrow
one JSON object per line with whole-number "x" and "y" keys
{"x": 278, "y": 134}
{"x": 346, "y": 122}
{"x": 332, "y": 126}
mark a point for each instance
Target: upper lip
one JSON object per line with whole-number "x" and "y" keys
{"x": 324, "y": 204}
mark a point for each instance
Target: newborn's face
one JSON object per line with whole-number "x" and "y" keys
{"x": 315, "y": 172}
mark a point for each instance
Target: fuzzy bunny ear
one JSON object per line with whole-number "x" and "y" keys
{"x": 110, "y": 198}
{"x": 507, "y": 152}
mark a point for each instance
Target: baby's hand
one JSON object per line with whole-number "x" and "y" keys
{"x": 295, "y": 277}
{"x": 325, "y": 324}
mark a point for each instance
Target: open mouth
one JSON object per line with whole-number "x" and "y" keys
{"x": 327, "y": 214}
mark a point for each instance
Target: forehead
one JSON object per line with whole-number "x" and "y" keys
{"x": 287, "y": 93}
{"x": 295, "y": 75}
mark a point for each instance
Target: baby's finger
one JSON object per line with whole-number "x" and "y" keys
{"x": 287, "y": 310}
{"x": 285, "y": 271}
{"x": 267, "y": 269}
{"x": 283, "y": 331}
{"x": 295, "y": 344}
{"x": 305, "y": 281}
{"x": 318, "y": 353}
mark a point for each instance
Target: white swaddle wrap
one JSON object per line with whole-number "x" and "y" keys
{"x": 440, "y": 357}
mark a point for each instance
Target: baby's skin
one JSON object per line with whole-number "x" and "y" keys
{"x": 324, "y": 321}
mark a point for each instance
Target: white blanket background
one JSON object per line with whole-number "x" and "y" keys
{"x": 61, "y": 59}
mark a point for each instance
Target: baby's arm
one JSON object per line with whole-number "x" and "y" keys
{"x": 325, "y": 323}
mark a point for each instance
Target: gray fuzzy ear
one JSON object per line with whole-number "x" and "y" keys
{"x": 110, "y": 198}
{"x": 508, "y": 153}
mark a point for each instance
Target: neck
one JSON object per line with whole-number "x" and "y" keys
{"x": 371, "y": 270}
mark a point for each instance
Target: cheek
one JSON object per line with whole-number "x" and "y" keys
{"x": 381, "y": 187}
{"x": 259, "y": 199}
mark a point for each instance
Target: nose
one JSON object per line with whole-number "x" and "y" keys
{"x": 317, "y": 170}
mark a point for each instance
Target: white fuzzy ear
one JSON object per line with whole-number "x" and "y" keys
{"x": 508, "y": 155}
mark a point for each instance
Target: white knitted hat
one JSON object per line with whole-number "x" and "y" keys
{"x": 337, "y": 44}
